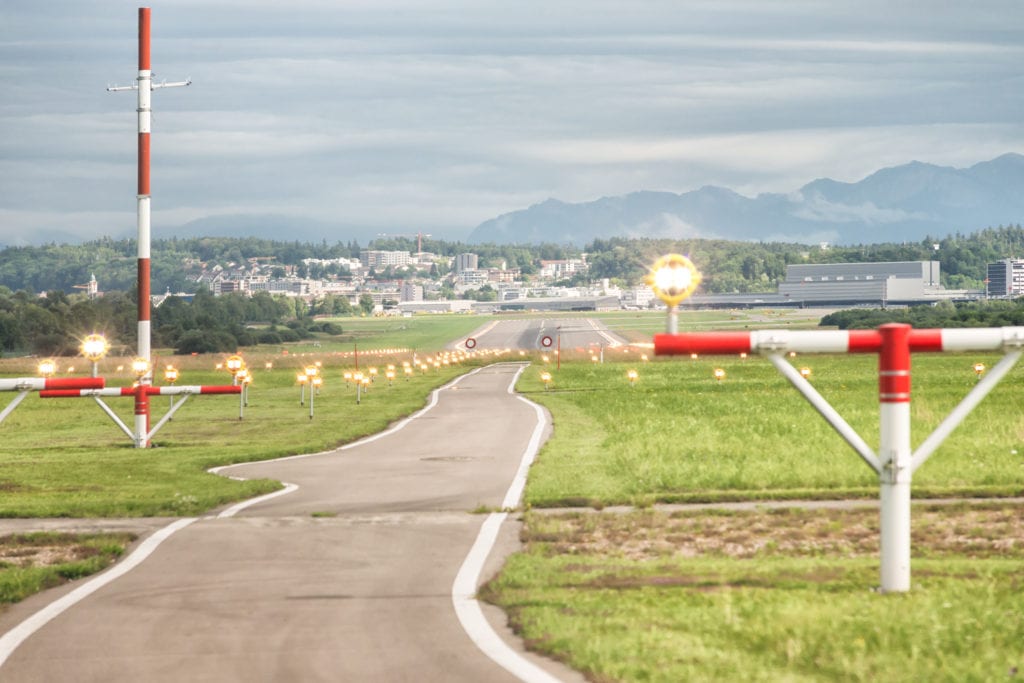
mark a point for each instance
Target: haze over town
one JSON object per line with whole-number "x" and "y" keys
{"x": 400, "y": 116}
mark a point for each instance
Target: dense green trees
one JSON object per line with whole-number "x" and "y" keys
{"x": 986, "y": 313}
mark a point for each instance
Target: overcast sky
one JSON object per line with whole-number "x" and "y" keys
{"x": 436, "y": 115}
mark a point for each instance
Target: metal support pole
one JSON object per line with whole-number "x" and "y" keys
{"x": 964, "y": 408}
{"x": 895, "y": 456}
{"x": 826, "y": 410}
{"x": 113, "y": 416}
{"x": 12, "y": 405}
{"x": 672, "y": 323}
{"x": 311, "y": 392}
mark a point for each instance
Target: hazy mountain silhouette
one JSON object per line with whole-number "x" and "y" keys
{"x": 903, "y": 203}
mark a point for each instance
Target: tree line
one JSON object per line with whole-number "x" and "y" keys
{"x": 726, "y": 266}
{"x": 56, "y": 323}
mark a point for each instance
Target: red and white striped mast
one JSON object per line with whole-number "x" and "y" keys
{"x": 145, "y": 87}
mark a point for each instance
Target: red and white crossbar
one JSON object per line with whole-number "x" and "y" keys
{"x": 894, "y": 463}
{"x": 148, "y": 389}
{"x": 23, "y": 385}
{"x": 141, "y": 394}
{"x": 835, "y": 341}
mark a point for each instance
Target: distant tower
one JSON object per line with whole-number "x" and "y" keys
{"x": 466, "y": 262}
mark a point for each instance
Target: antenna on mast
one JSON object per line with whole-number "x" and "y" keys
{"x": 144, "y": 85}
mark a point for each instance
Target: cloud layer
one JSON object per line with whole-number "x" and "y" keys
{"x": 399, "y": 116}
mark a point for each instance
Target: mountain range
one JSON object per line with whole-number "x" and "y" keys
{"x": 902, "y": 203}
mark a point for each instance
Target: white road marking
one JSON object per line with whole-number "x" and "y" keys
{"x": 17, "y": 635}
{"x": 467, "y": 608}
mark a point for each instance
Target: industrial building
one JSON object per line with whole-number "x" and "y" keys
{"x": 891, "y": 283}
{"x": 1005, "y": 278}
{"x": 845, "y": 283}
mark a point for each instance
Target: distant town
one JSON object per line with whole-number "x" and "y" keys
{"x": 468, "y": 287}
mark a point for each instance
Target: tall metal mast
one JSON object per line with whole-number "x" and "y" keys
{"x": 144, "y": 86}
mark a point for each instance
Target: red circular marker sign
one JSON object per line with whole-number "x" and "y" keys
{"x": 546, "y": 341}
{"x": 470, "y": 343}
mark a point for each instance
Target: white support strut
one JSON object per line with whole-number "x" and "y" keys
{"x": 894, "y": 343}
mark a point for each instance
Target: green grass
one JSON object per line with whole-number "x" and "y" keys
{"x": 33, "y": 562}
{"x": 763, "y": 596}
{"x": 420, "y": 332}
{"x": 679, "y": 435}
{"x": 587, "y": 592}
{"x": 66, "y": 458}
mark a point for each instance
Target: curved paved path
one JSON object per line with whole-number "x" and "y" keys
{"x": 348, "y": 578}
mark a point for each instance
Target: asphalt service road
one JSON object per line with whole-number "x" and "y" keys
{"x": 349, "y": 575}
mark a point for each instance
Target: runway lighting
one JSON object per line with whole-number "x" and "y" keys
{"x": 47, "y": 367}
{"x": 673, "y": 277}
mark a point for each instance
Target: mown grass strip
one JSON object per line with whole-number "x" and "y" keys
{"x": 33, "y": 562}
{"x": 627, "y": 598}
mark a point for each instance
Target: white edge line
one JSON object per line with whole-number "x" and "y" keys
{"x": 10, "y": 641}
{"x": 467, "y": 607}
{"x": 238, "y": 507}
{"x": 291, "y": 488}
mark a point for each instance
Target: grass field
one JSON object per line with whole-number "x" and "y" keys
{"x": 646, "y": 595}
{"x": 764, "y": 595}
{"x": 679, "y": 435}
{"x": 426, "y": 333}
{"x": 768, "y": 596}
{"x": 66, "y": 458}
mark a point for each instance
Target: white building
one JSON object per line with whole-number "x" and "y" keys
{"x": 1005, "y": 278}
{"x": 372, "y": 258}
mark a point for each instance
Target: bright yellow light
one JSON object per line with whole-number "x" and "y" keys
{"x": 358, "y": 377}
{"x": 234, "y": 364}
{"x": 140, "y": 366}
{"x": 301, "y": 378}
{"x": 312, "y": 371}
{"x": 673, "y": 278}
{"x": 979, "y": 369}
{"x": 318, "y": 381}
{"x": 632, "y": 376}
{"x": 171, "y": 374}
{"x": 719, "y": 374}
{"x": 805, "y": 372}
{"x": 95, "y": 347}
{"x": 268, "y": 365}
